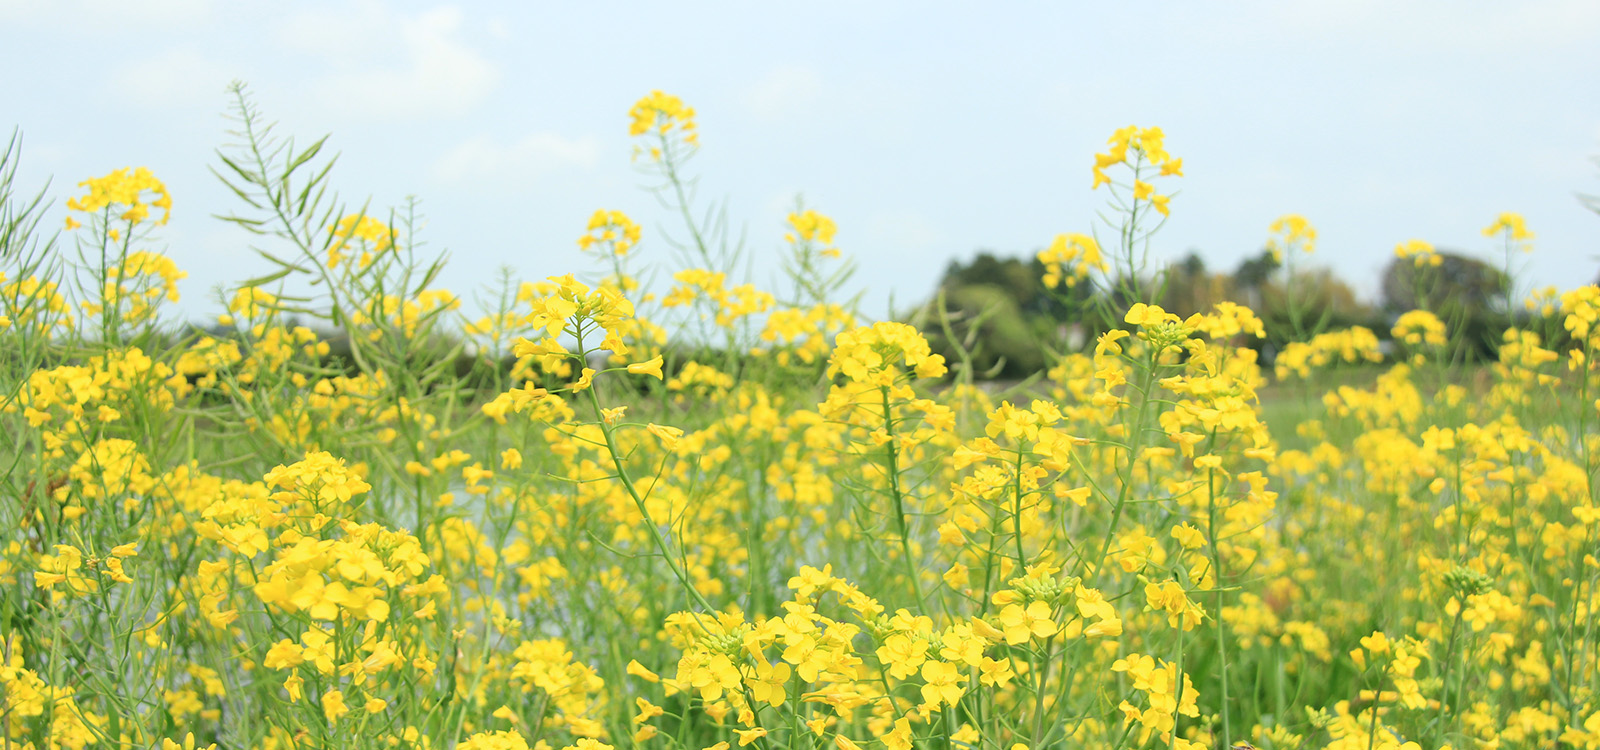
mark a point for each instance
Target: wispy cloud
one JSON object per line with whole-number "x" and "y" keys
{"x": 172, "y": 78}
{"x": 384, "y": 63}
{"x": 482, "y": 159}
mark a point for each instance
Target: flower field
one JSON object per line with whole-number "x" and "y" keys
{"x": 701, "y": 514}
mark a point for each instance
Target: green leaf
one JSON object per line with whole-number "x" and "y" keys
{"x": 281, "y": 262}
{"x": 306, "y": 155}
{"x": 267, "y": 279}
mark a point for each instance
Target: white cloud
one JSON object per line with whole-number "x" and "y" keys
{"x": 785, "y": 92}
{"x": 387, "y": 64}
{"x": 175, "y": 77}
{"x": 481, "y": 159}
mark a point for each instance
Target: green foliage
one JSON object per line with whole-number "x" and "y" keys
{"x": 1468, "y": 294}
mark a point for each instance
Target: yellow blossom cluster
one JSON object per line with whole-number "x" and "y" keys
{"x": 612, "y": 230}
{"x": 1139, "y": 148}
{"x": 726, "y": 304}
{"x": 1070, "y": 259}
{"x": 812, "y": 227}
{"x": 370, "y": 235}
{"x": 1349, "y": 345}
{"x": 877, "y": 354}
{"x": 1420, "y": 327}
{"x": 1420, "y": 253}
{"x": 1513, "y": 228}
{"x": 128, "y": 188}
{"x": 667, "y": 117}
{"x": 32, "y": 306}
{"x": 1291, "y": 232}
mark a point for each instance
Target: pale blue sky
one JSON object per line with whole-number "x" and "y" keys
{"x": 926, "y": 129}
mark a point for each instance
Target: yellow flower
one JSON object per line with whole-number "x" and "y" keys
{"x": 1188, "y": 536}
{"x": 667, "y": 435}
{"x": 1170, "y": 597}
{"x": 768, "y": 685}
{"x": 899, "y": 738}
{"x": 1022, "y": 624}
{"x": 114, "y": 570}
{"x": 1143, "y": 315}
{"x": 585, "y": 380}
{"x": 188, "y": 744}
{"x": 639, "y": 670}
{"x": 943, "y": 683}
{"x": 995, "y": 672}
{"x": 333, "y": 706}
{"x": 1512, "y": 225}
{"x": 651, "y": 366}
{"x": 508, "y": 739}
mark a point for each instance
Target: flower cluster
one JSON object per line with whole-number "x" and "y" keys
{"x": 881, "y": 354}
{"x": 1419, "y": 252}
{"x": 813, "y": 227}
{"x": 612, "y": 230}
{"x": 1070, "y": 259}
{"x": 1139, "y": 149}
{"x": 667, "y": 117}
{"x": 371, "y": 236}
{"x": 1289, "y": 233}
{"x": 128, "y": 188}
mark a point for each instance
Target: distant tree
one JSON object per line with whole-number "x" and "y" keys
{"x": 1192, "y": 264}
{"x": 1008, "y": 343}
{"x": 1466, "y": 293}
{"x": 1252, "y": 274}
{"x": 1457, "y": 282}
{"x": 1015, "y": 315}
{"x": 1320, "y": 292}
{"x": 1190, "y": 288}
{"x": 1009, "y": 274}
